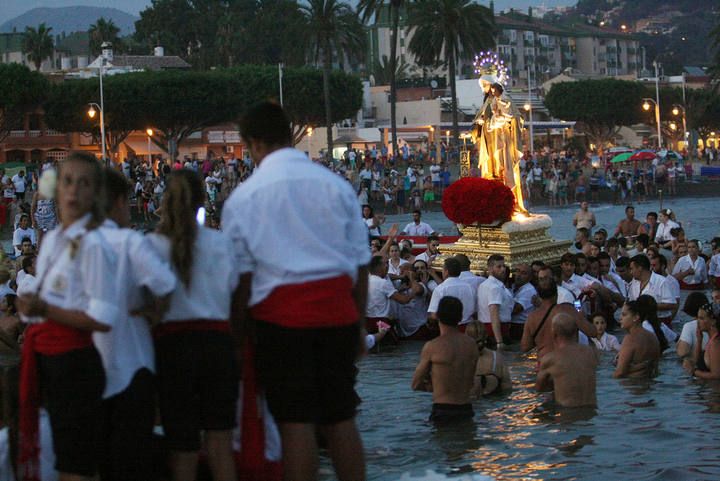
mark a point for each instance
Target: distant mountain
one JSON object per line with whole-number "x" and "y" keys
{"x": 70, "y": 19}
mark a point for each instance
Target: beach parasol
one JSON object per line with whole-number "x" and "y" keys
{"x": 617, "y": 150}
{"x": 642, "y": 155}
{"x": 621, "y": 157}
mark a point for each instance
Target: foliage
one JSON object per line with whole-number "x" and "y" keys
{"x": 475, "y": 200}
{"x": 20, "y": 91}
{"x": 600, "y": 107}
{"x": 104, "y": 31}
{"x": 715, "y": 42}
{"x": 333, "y": 30}
{"x": 177, "y": 104}
{"x": 382, "y": 71}
{"x": 450, "y": 30}
{"x": 37, "y": 44}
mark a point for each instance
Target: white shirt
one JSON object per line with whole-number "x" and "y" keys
{"x": 614, "y": 283}
{"x": 656, "y": 287}
{"x": 18, "y": 237}
{"x": 607, "y": 342}
{"x": 213, "y": 278}
{"x": 19, "y": 183}
{"x": 689, "y": 335}
{"x": 670, "y": 335}
{"x": 73, "y": 267}
{"x": 685, "y": 263}
{"x": 663, "y": 231}
{"x": 428, "y": 259}
{"x": 524, "y": 296}
{"x": 395, "y": 270}
{"x": 420, "y": 229}
{"x": 455, "y": 287}
{"x": 576, "y": 284}
{"x": 128, "y": 347}
{"x": 380, "y": 289}
{"x": 565, "y": 296}
{"x": 714, "y": 267}
{"x": 493, "y": 292}
{"x": 674, "y": 286}
{"x": 272, "y": 207}
{"x": 472, "y": 280}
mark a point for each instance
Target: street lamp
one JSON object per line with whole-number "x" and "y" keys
{"x": 309, "y": 136}
{"x": 646, "y": 107}
{"x": 447, "y": 146}
{"x": 680, "y": 110}
{"x": 149, "y": 133}
{"x": 528, "y": 108}
{"x": 92, "y": 112}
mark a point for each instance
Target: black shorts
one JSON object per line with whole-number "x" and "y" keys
{"x": 197, "y": 379}
{"x": 309, "y": 374}
{"x": 128, "y": 431}
{"x": 451, "y": 413}
{"x": 20, "y": 195}
{"x": 72, "y": 385}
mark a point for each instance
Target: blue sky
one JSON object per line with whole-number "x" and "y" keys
{"x": 12, "y": 8}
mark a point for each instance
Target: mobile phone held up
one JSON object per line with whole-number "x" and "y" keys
{"x": 577, "y": 304}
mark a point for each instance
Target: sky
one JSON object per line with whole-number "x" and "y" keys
{"x": 12, "y": 8}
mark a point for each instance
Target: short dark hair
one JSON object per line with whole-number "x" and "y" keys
{"x": 464, "y": 261}
{"x": 267, "y": 122}
{"x": 537, "y": 263}
{"x": 603, "y": 256}
{"x": 622, "y": 261}
{"x": 24, "y": 216}
{"x": 376, "y": 262}
{"x": 641, "y": 261}
{"x": 663, "y": 261}
{"x": 450, "y": 311}
{"x": 643, "y": 240}
{"x": 432, "y": 238}
{"x": 629, "y": 207}
{"x": 652, "y": 214}
{"x": 495, "y": 258}
{"x": 694, "y": 302}
{"x": 452, "y": 266}
{"x": 116, "y": 186}
{"x": 568, "y": 257}
{"x": 25, "y": 239}
{"x": 579, "y": 256}
{"x": 584, "y": 231}
{"x": 27, "y": 261}
{"x": 417, "y": 212}
{"x": 612, "y": 242}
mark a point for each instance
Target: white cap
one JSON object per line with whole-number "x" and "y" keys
{"x": 491, "y": 79}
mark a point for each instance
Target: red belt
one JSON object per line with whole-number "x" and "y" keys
{"x": 50, "y": 339}
{"x": 690, "y": 287}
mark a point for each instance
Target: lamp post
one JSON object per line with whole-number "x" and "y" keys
{"x": 646, "y": 107}
{"x": 106, "y": 56}
{"x": 676, "y": 111}
{"x": 309, "y": 137}
{"x": 528, "y": 108}
{"x": 657, "y": 66}
{"x": 149, "y": 133}
{"x": 447, "y": 147}
{"x": 92, "y": 112}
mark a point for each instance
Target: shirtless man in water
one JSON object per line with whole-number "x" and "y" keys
{"x": 640, "y": 349}
{"x": 569, "y": 370}
{"x": 629, "y": 226}
{"x": 447, "y": 366}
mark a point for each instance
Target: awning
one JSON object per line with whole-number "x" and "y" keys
{"x": 350, "y": 139}
{"x": 140, "y": 147}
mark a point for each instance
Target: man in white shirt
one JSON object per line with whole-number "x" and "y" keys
{"x": 658, "y": 265}
{"x": 647, "y": 282}
{"x": 20, "y": 183}
{"x": 417, "y": 227}
{"x": 523, "y": 295}
{"x": 466, "y": 275}
{"x": 127, "y": 350}
{"x": 433, "y": 244}
{"x": 454, "y": 287}
{"x": 691, "y": 269}
{"x": 494, "y": 301}
{"x": 317, "y": 290}
{"x": 23, "y": 231}
{"x": 381, "y": 292}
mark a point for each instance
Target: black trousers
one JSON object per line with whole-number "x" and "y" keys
{"x": 127, "y": 448}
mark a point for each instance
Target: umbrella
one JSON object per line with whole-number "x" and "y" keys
{"x": 672, "y": 154}
{"x": 642, "y": 155}
{"x": 616, "y": 150}
{"x": 621, "y": 157}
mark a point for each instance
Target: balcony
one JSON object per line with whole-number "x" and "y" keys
{"x": 36, "y": 138}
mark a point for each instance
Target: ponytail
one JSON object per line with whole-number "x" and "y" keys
{"x": 647, "y": 307}
{"x": 183, "y": 197}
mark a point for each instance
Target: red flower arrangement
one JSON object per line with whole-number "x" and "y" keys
{"x": 474, "y": 200}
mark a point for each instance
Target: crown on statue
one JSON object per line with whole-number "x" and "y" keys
{"x": 488, "y": 65}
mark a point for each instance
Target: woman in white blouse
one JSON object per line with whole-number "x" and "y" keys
{"x": 663, "y": 237}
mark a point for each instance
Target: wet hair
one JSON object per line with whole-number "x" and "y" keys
{"x": 450, "y": 311}
{"x": 641, "y": 261}
{"x": 695, "y": 300}
{"x": 464, "y": 262}
{"x": 266, "y": 122}
{"x": 647, "y": 307}
{"x": 452, "y": 266}
{"x": 183, "y": 196}
{"x": 116, "y": 186}
{"x": 97, "y": 210}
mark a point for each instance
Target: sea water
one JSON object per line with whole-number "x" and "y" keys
{"x": 664, "y": 429}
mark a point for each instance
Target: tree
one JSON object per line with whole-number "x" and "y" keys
{"x": 378, "y": 8}
{"x": 600, "y": 107}
{"x": 21, "y": 91}
{"x": 334, "y": 29}
{"x": 446, "y": 31}
{"x": 37, "y": 44}
{"x": 383, "y": 72}
{"x": 715, "y": 42}
{"x": 104, "y": 31}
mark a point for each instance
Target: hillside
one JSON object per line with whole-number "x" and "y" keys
{"x": 70, "y": 19}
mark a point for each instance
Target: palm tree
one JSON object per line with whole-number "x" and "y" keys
{"x": 37, "y": 44}
{"x": 368, "y": 8}
{"x": 333, "y": 28}
{"x": 383, "y": 72}
{"x": 445, "y": 32}
{"x": 103, "y": 31}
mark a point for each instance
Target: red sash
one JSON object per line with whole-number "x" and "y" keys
{"x": 50, "y": 339}
{"x": 314, "y": 304}
{"x": 690, "y": 287}
{"x": 173, "y": 327}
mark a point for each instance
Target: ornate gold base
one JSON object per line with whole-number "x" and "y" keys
{"x": 521, "y": 241}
